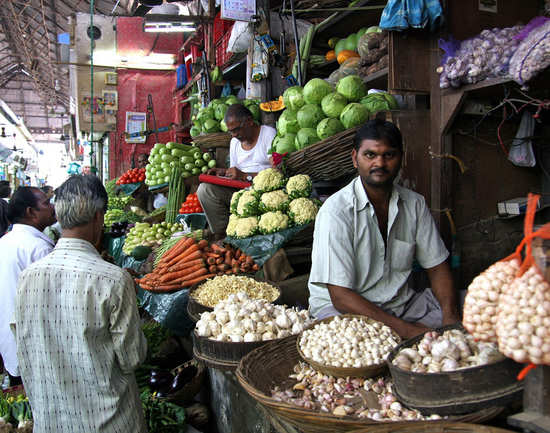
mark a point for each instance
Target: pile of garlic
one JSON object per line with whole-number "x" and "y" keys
{"x": 351, "y": 396}
{"x": 219, "y": 288}
{"x": 480, "y": 305}
{"x": 451, "y": 351}
{"x": 523, "y": 322}
{"x": 240, "y": 318}
{"x": 348, "y": 342}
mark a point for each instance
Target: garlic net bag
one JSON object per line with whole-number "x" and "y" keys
{"x": 523, "y": 316}
{"x": 480, "y": 304}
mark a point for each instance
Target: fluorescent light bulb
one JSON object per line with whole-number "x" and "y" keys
{"x": 169, "y": 27}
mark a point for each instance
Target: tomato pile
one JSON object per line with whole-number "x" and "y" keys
{"x": 191, "y": 204}
{"x": 133, "y": 175}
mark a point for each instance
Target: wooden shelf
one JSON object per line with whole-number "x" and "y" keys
{"x": 489, "y": 82}
{"x": 378, "y": 79}
{"x": 188, "y": 86}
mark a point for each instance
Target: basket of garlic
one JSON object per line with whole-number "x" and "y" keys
{"x": 239, "y": 324}
{"x": 205, "y": 296}
{"x": 347, "y": 345}
{"x": 298, "y": 397}
{"x": 448, "y": 372}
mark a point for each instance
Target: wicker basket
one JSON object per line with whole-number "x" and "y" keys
{"x": 270, "y": 365}
{"x": 429, "y": 427}
{"x": 368, "y": 371}
{"x": 325, "y": 160}
{"x": 186, "y": 394}
{"x": 209, "y": 141}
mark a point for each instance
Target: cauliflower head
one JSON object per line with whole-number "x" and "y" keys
{"x": 299, "y": 186}
{"x": 231, "y": 229}
{"x": 274, "y": 200}
{"x": 235, "y": 201}
{"x": 248, "y": 204}
{"x": 267, "y": 180}
{"x": 302, "y": 210}
{"x": 246, "y": 227}
{"x": 271, "y": 222}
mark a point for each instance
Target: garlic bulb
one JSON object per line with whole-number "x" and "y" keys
{"x": 480, "y": 304}
{"x": 348, "y": 342}
{"x": 240, "y": 318}
{"x": 523, "y": 319}
{"x": 450, "y": 351}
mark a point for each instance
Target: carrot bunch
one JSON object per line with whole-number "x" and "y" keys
{"x": 189, "y": 262}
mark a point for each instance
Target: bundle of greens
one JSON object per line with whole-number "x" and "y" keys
{"x": 162, "y": 416}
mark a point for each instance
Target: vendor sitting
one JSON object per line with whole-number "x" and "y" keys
{"x": 367, "y": 236}
{"x": 247, "y": 156}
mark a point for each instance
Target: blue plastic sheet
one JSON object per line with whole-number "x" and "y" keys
{"x": 402, "y": 14}
{"x": 169, "y": 309}
{"x": 157, "y": 187}
{"x": 195, "y": 221}
{"x": 129, "y": 188}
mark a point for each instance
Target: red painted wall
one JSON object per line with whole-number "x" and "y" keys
{"x": 135, "y": 85}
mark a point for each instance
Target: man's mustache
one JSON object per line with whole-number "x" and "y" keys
{"x": 379, "y": 170}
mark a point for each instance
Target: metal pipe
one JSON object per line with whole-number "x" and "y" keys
{"x": 363, "y": 8}
{"x": 296, "y": 42}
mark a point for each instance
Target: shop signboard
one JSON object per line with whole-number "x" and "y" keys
{"x": 238, "y": 10}
{"x": 136, "y": 122}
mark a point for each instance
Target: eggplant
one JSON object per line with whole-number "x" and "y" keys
{"x": 160, "y": 380}
{"x": 183, "y": 378}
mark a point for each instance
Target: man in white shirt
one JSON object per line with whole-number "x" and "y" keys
{"x": 247, "y": 156}
{"x": 31, "y": 212}
{"x": 366, "y": 238}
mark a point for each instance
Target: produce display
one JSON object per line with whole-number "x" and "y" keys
{"x": 268, "y": 208}
{"x": 240, "y": 318}
{"x": 118, "y": 216}
{"x": 453, "y": 350}
{"x": 191, "y": 205}
{"x": 348, "y": 342}
{"x": 164, "y": 157}
{"x": 485, "y": 56}
{"x": 218, "y": 289}
{"x": 373, "y": 49}
{"x": 187, "y": 262}
{"x": 524, "y": 319}
{"x": 15, "y": 414}
{"x": 531, "y": 56}
{"x": 481, "y": 302}
{"x": 145, "y": 234}
{"x": 133, "y": 175}
{"x": 118, "y": 229}
{"x": 117, "y": 202}
{"x": 351, "y": 396}
{"x": 211, "y": 119}
{"x": 161, "y": 415}
{"x": 318, "y": 111}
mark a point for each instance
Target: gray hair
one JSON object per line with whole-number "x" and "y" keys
{"x": 237, "y": 112}
{"x": 78, "y": 200}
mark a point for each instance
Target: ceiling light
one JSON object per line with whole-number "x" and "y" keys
{"x": 169, "y": 27}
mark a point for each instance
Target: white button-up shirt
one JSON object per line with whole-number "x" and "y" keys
{"x": 349, "y": 251}
{"x": 20, "y": 247}
{"x": 79, "y": 341}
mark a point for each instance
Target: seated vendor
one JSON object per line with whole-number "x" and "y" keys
{"x": 247, "y": 156}
{"x": 142, "y": 196}
{"x": 367, "y": 236}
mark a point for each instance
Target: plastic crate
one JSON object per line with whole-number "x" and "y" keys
{"x": 221, "y": 27}
{"x": 222, "y": 55}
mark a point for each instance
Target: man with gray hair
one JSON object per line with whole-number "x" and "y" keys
{"x": 77, "y": 326}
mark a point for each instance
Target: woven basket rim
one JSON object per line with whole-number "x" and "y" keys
{"x": 367, "y": 371}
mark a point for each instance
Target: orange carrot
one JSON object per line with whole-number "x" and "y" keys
{"x": 213, "y": 268}
{"x": 227, "y": 258}
{"x": 177, "y": 249}
{"x": 219, "y": 260}
{"x": 192, "y": 275}
{"x": 223, "y": 267}
{"x": 197, "y": 280}
{"x": 182, "y": 257}
{"x": 203, "y": 244}
{"x": 255, "y": 267}
{"x": 173, "y": 276}
{"x": 183, "y": 265}
{"x": 217, "y": 249}
{"x": 215, "y": 255}
{"x": 168, "y": 287}
{"x": 211, "y": 260}
{"x": 238, "y": 253}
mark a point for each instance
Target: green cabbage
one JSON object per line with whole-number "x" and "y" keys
{"x": 309, "y": 116}
{"x": 285, "y": 144}
{"x": 288, "y": 123}
{"x": 315, "y": 90}
{"x": 255, "y": 110}
{"x": 333, "y": 104}
{"x": 204, "y": 114}
{"x": 329, "y": 127}
{"x": 354, "y": 114}
{"x": 219, "y": 111}
{"x": 211, "y": 125}
{"x": 194, "y": 131}
{"x": 352, "y": 87}
{"x": 215, "y": 102}
{"x": 376, "y": 102}
{"x": 232, "y": 99}
{"x": 305, "y": 137}
{"x": 293, "y": 97}
{"x": 223, "y": 126}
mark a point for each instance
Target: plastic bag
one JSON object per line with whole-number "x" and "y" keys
{"x": 524, "y": 310}
{"x": 521, "y": 151}
{"x": 241, "y": 36}
{"x": 402, "y": 14}
{"x": 350, "y": 67}
{"x": 262, "y": 247}
{"x": 531, "y": 56}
